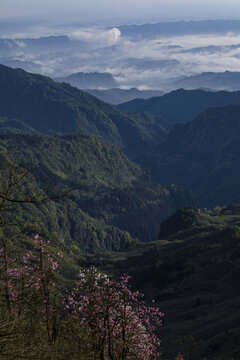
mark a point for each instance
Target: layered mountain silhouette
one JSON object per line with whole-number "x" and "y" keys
{"x": 90, "y": 80}
{"x": 51, "y": 107}
{"x": 117, "y": 96}
{"x": 181, "y": 105}
{"x": 210, "y": 80}
{"x": 174, "y": 28}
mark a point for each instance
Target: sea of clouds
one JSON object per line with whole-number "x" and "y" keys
{"x": 134, "y": 62}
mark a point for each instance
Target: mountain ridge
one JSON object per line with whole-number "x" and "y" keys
{"x": 91, "y": 80}
{"x": 51, "y": 107}
{"x": 181, "y": 105}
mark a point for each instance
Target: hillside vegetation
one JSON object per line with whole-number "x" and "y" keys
{"x": 114, "y": 202}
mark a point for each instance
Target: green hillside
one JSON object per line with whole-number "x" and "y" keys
{"x": 114, "y": 202}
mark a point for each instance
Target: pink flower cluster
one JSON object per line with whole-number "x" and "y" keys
{"x": 119, "y": 324}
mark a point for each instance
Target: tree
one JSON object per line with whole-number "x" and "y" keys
{"x": 116, "y": 322}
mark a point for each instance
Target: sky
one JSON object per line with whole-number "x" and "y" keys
{"x": 97, "y": 10}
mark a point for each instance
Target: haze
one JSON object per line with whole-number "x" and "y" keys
{"x": 97, "y": 10}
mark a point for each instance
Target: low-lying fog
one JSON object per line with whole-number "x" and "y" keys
{"x": 146, "y": 57}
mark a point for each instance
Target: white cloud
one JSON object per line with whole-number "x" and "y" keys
{"x": 97, "y": 37}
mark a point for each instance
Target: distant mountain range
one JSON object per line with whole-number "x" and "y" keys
{"x": 180, "y": 28}
{"x": 90, "y": 80}
{"x": 209, "y": 80}
{"x": 101, "y": 85}
{"x": 117, "y": 96}
{"x": 104, "y": 87}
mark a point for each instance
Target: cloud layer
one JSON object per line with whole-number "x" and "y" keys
{"x": 149, "y": 63}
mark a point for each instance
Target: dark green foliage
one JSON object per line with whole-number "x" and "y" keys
{"x": 204, "y": 155}
{"x": 182, "y": 219}
{"x": 14, "y": 126}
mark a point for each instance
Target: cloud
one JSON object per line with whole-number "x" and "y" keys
{"x": 20, "y": 44}
{"x": 97, "y": 37}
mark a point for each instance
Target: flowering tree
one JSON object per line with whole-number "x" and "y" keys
{"x": 116, "y": 322}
